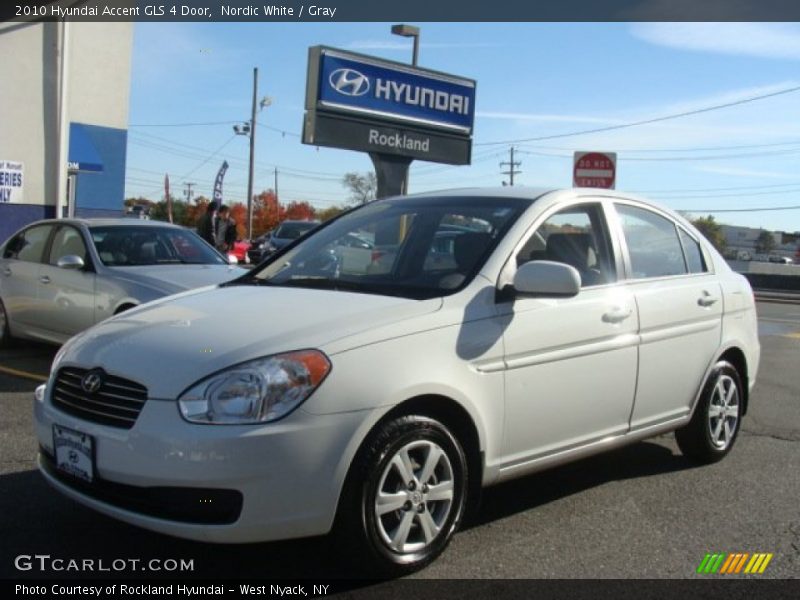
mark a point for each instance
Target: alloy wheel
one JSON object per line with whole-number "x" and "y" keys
{"x": 414, "y": 497}
{"x": 723, "y": 411}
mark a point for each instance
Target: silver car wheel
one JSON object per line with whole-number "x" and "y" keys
{"x": 723, "y": 411}
{"x": 414, "y": 497}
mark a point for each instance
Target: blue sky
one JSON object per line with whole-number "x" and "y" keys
{"x": 534, "y": 80}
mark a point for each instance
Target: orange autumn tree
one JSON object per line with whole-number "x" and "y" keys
{"x": 239, "y": 214}
{"x": 300, "y": 211}
{"x": 267, "y": 213}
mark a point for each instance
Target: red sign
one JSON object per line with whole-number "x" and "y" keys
{"x": 595, "y": 169}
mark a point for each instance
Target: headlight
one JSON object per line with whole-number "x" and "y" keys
{"x": 257, "y": 391}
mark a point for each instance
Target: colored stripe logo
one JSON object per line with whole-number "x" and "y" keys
{"x": 734, "y": 563}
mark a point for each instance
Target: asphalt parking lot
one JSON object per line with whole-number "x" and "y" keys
{"x": 639, "y": 512}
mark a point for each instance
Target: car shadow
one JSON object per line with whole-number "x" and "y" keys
{"x": 643, "y": 459}
{"x": 38, "y": 520}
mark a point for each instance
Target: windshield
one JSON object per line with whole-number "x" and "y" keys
{"x": 417, "y": 248}
{"x": 292, "y": 231}
{"x": 128, "y": 246}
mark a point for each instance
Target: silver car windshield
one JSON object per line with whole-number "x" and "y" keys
{"x": 129, "y": 246}
{"x": 417, "y": 248}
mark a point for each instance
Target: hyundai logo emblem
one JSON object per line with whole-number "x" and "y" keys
{"x": 349, "y": 82}
{"x": 91, "y": 382}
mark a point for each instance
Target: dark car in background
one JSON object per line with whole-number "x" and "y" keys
{"x": 281, "y": 236}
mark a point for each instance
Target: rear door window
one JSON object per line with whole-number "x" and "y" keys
{"x": 653, "y": 245}
{"x": 28, "y": 245}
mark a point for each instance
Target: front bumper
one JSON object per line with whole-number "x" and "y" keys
{"x": 287, "y": 475}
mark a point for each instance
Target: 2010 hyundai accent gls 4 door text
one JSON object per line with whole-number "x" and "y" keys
{"x": 476, "y": 336}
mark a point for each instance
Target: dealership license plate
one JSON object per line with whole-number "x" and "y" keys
{"x": 74, "y": 452}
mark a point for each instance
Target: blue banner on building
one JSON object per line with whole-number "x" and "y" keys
{"x": 373, "y": 88}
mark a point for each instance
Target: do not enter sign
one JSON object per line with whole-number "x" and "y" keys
{"x": 595, "y": 169}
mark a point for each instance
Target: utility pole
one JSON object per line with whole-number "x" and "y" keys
{"x": 252, "y": 157}
{"x": 276, "y": 187}
{"x": 511, "y": 171}
{"x": 188, "y": 191}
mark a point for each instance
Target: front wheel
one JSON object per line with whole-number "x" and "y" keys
{"x": 5, "y": 330}
{"x": 711, "y": 433}
{"x": 406, "y": 494}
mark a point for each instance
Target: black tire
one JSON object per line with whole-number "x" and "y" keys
{"x": 376, "y": 469}
{"x": 5, "y": 330}
{"x": 708, "y": 438}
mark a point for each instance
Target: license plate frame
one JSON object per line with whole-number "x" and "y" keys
{"x": 74, "y": 453}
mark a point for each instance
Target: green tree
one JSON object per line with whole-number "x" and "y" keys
{"x": 765, "y": 242}
{"x": 328, "y": 213}
{"x": 712, "y": 230}
{"x": 362, "y": 188}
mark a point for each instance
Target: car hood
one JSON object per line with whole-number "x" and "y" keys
{"x": 169, "y": 345}
{"x": 171, "y": 279}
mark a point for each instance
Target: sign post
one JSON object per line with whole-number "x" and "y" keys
{"x": 595, "y": 169}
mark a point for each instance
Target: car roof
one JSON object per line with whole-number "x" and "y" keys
{"x": 108, "y": 222}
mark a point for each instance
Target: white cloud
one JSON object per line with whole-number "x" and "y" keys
{"x": 404, "y": 46}
{"x": 737, "y": 172}
{"x": 522, "y": 116}
{"x": 762, "y": 40}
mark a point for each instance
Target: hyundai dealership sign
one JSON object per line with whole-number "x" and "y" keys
{"x": 375, "y": 105}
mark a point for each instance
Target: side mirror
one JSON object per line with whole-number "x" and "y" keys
{"x": 70, "y": 262}
{"x": 547, "y": 278}
{"x": 232, "y": 259}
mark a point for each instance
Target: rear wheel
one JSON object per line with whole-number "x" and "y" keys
{"x": 405, "y": 495}
{"x": 711, "y": 433}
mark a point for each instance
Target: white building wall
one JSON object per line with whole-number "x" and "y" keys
{"x": 98, "y": 89}
{"x": 100, "y": 66}
{"x": 27, "y": 109}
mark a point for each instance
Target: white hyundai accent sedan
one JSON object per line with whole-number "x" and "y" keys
{"x": 482, "y": 336}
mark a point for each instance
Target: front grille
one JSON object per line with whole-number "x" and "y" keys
{"x": 117, "y": 402}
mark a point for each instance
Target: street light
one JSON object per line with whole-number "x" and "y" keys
{"x": 409, "y": 31}
{"x": 248, "y": 128}
{"x": 413, "y": 32}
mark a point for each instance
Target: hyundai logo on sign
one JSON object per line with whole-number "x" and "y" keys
{"x": 349, "y": 82}
{"x": 394, "y": 92}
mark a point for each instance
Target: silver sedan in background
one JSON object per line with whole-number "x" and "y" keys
{"x": 61, "y": 276}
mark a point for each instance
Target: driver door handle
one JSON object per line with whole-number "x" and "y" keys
{"x": 706, "y": 300}
{"x": 617, "y": 314}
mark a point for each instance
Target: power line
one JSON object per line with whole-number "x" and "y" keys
{"x": 676, "y": 158}
{"x": 183, "y": 124}
{"x": 738, "y": 210}
{"x": 697, "y": 149}
{"x": 645, "y": 121}
{"x": 739, "y": 195}
{"x": 720, "y": 189}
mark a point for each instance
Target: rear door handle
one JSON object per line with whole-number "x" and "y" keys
{"x": 617, "y": 315}
{"x": 706, "y": 300}
{"x": 44, "y": 279}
